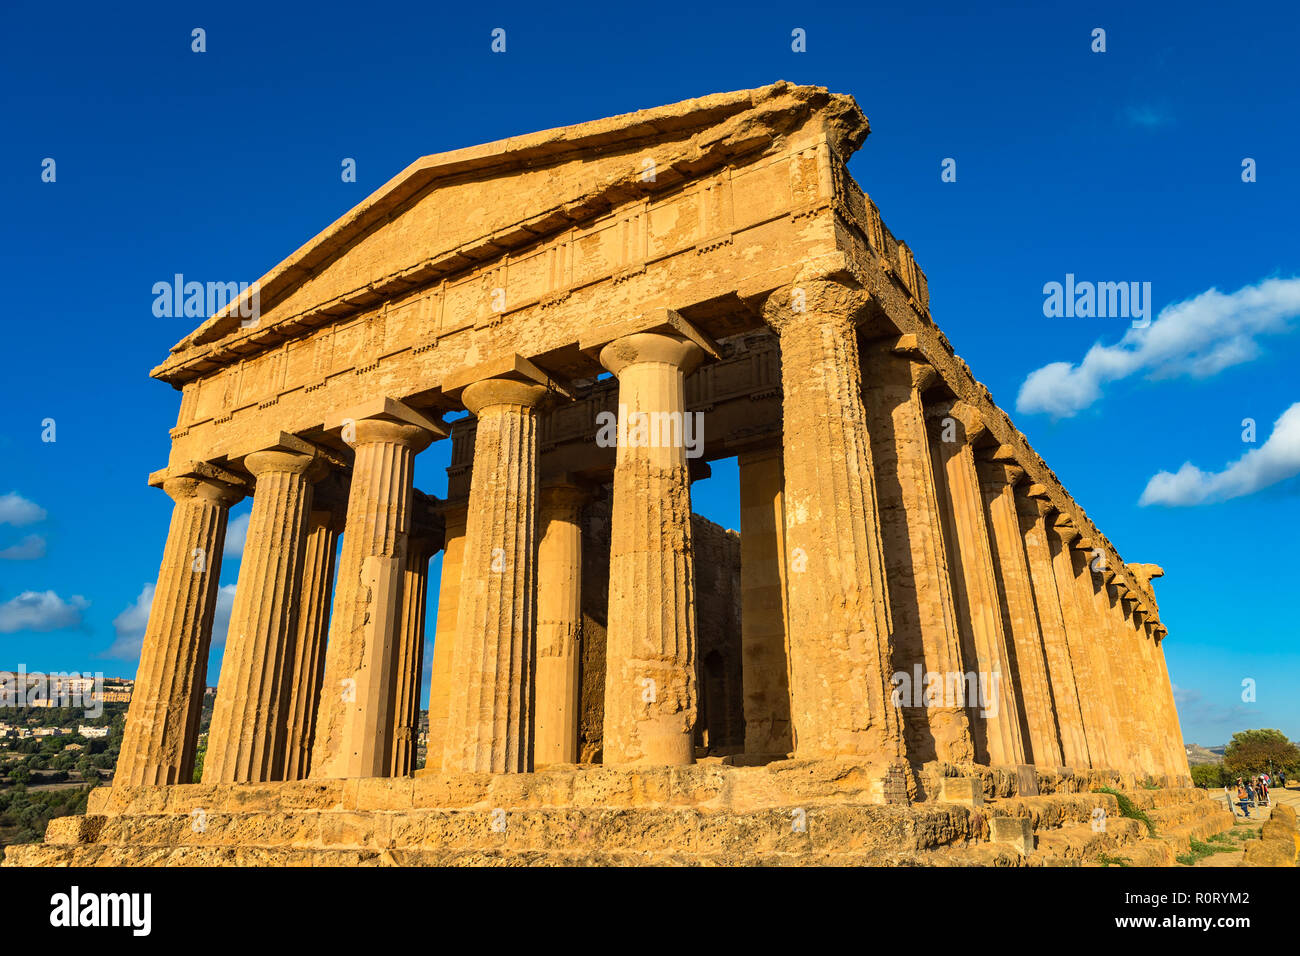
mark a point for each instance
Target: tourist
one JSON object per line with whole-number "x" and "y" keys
{"x": 1243, "y": 798}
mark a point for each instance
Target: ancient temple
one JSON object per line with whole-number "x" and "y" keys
{"x": 915, "y": 618}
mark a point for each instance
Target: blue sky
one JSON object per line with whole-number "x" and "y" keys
{"x": 1117, "y": 166}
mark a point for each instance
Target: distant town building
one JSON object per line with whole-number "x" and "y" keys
{"x": 92, "y": 733}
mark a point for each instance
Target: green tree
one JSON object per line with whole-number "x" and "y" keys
{"x": 20, "y": 775}
{"x": 1209, "y": 775}
{"x": 1256, "y": 751}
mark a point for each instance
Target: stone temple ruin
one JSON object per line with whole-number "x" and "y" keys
{"x": 917, "y": 649}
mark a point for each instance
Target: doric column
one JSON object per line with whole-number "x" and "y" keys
{"x": 1074, "y": 561}
{"x": 444, "y": 640}
{"x": 163, "y": 722}
{"x": 1116, "y": 703}
{"x": 1065, "y": 686}
{"x": 489, "y": 725}
{"x": 559, "y": 624}
{"x": 1173, "y": 755}
{"x": 315, "y": 594}
{"x": 1130, "y": 677}
{"x": 1181, "y": 768}
{"x": 246, "y": 739}
{"x": 981, "y": 616}
{"x": 650, "y": 693}
{"x": 355, "y": 723}
{"x": 927, "y": 640}
{"x": 1149, "y": 705}
{"x": 998, "y": 480}
{"x": 838, "y": 613}
{"x": 424, "y": 542}
{"x": 1150, "y": 632}
{"x": 765, "y": 677}
{"x": 1088, "y": 675}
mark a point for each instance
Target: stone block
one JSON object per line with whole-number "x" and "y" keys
{"x": 967, "y": 791}
{"x": 383, "y": 793}
{"x": 1017, "y": 832}
{"x": 1026, "y": 780}
{"x": 1270, "y": 853}
{"x": 62, "y": 831}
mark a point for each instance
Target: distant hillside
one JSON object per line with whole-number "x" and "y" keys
{"x": 1196, "y": 754}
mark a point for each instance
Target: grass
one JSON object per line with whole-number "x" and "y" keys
{"x": 1127, "y": 809}
{"x": 1105, "y": 859}
{"x": 1200, "y": 849}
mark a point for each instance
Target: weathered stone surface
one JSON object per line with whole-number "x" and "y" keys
{"x": 650, "y": 681}
{"x": 489, "y": 726}
{"x": 355, "y": 727}
{"x": 247, "y": 737}
{"x": 163, "y": 720}
{"x": 559, "y": 624}
{"x": 748, "y": 297}
{"x": 926, "y": 633}
{"x": 764, "y": 573}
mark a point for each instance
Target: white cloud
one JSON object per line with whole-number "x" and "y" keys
{"x": 221, "y": 618}
{"x": 129, "y": 626}
{"x": 1196, "y": 338}
{"x": 1275, "y": 460}
{"x": 28, "y": 549}
{"x": 236, "y": 532}
{"x": 41, "y": 611}
{"x": 131, "y": 623}
{"x": 17, "y": 510}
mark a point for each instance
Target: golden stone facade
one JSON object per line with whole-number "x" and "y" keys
{"x": 916, "y": 612}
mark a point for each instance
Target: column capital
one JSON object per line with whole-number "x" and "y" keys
{"x": 490, "y": 393}
{"x": 1064, "y": 528}
{"x": 330, "y": 500}
{"x": 202, "y": 480}
{"x": 204, "y": 489}
{"x": 640, "y": 348}
{"x": 656, "y": 321}
{"x": 907, "y": 353}
{"x": 454, "y": 514}
{"x": 289, "y": 454}
{"x": 563, "y": 494}
{"x": 998, "y": 474}
{"x": 387, "y": 420}
{"x": 840, "y": 299}
{"x": 284, "y": 462}
{"x": 965, "y": 415}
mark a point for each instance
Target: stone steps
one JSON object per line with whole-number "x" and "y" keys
{"x": 830, "y": 829}
{"x": 496, "y": 822}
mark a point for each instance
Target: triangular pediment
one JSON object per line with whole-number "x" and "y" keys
{"x": 452, "y": 212}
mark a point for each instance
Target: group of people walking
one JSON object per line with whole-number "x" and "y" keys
{"x": 1252, "y": 792}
